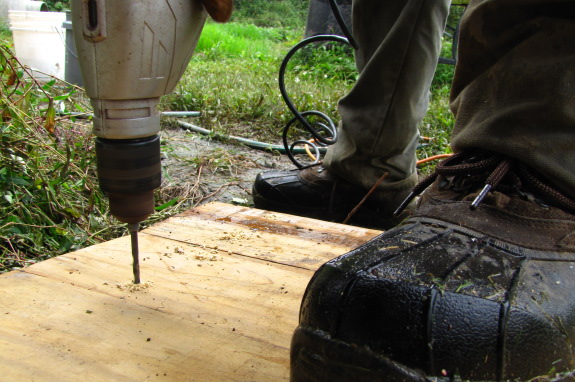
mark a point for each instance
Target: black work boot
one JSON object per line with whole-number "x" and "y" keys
{"x": 454, "y": 293}
{"x": 315, "y": 192}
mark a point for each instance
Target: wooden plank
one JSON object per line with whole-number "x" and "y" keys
{"x": 217, "y": 307}
{"x": 290, "y": 240}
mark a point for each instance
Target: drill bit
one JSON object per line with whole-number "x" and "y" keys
{"x": 133, "y": 228}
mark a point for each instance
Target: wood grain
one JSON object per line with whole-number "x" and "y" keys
{"x": 220, "y": 298}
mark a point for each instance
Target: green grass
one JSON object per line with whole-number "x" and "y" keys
{"x": 438, "y": 122}
{"x": 235, "y": 40}
{"x": 233, "y": 81}
{"x": 289, "y": 14}
{"x": 5, "y": 34}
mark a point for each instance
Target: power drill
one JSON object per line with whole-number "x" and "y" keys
{"x": 132, "y": 52}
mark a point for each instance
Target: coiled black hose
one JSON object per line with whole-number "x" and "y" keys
{"x": 324, "y": 133}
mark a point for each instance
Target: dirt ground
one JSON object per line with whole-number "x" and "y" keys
{"x": 201, "y": 169}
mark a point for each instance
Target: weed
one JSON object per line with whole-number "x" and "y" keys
{"x": 272, "y": 13}
{"x": 58, "y": 5}
{"x": 49, "y": 198}
{"x": 5, "y": 34}
{"x": 325, "y": 61}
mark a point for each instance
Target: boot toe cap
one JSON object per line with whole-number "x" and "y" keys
{"x": 474, "y": 313}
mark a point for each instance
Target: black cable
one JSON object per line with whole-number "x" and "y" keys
{"x": 327, "y": 127}
{"x": 342, "y": 24}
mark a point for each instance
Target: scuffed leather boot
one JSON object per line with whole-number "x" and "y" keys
{"x": 454, "y": 293}
{"x": 315, "y": 192}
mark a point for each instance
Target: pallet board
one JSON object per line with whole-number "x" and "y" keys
{"x": 219, "y": 300}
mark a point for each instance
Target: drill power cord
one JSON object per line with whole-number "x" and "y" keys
{"x": 327, "y": 126}
{"x": 323, "y": 133}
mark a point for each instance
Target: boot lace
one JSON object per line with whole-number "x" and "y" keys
{"x": 498, "y": 167}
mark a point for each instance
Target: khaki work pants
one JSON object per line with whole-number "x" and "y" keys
{"x": 513, "y": 92}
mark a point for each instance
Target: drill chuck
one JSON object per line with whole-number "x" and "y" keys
{"x": 129, "y": 170}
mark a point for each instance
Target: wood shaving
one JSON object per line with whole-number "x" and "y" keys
{"x": 204, "y": 258}
{"x": 235, "y": 236}
{"x": 131, "y": 287}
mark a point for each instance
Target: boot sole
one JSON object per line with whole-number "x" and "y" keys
{"x": 316, "y": 357}
{"x": 366, "y": 216}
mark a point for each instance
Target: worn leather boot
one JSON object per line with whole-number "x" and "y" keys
{"x": 479, "y": 285}
{"x": 315, "y": 192}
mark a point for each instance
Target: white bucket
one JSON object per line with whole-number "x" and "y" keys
{"x": 39, "y": 41}
{"x": 20, "y": 5}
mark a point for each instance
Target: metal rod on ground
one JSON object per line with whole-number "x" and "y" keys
{"x": 133, "y": 228}
{"x": 163, "y": 113}
{"x": 181, "y": 113}
{"x": 248, "y": 142}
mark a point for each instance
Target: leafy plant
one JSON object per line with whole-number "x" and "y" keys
{"x": 49, "y": 198}
{"x": 271, "y": 13}
{"x": 57, "y": 5}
